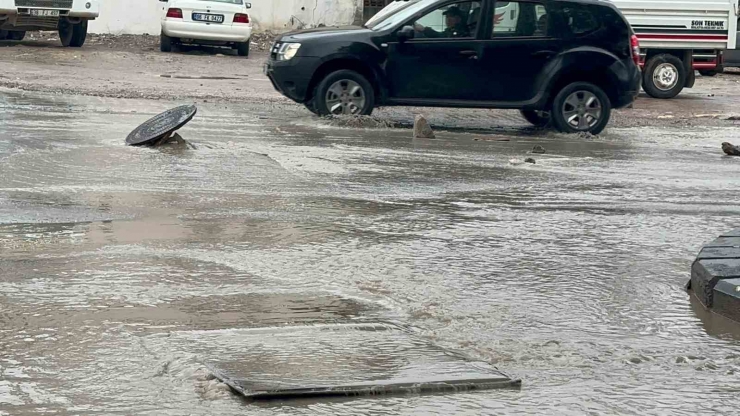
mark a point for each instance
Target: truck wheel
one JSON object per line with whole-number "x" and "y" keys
{"x": 664, "y": 76}
{"x": 581, "y": 107}
{"x": 73, "y": 35}
{"x": 17, "y": 35}
{"x": 243, "y": 48}
{"x": 344, "y": 92}
{"x": 165, "y": 43}
{"x": 79, "y": 34}
{"x": 536, "y": 118}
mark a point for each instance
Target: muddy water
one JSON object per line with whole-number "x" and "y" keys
{"x": 119, "y": 264}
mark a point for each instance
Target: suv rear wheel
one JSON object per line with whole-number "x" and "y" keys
{"x": 344, "y": 92}
{"x": 664, "y": 76}
{"x": 536, "y": 118}
{"x": 581, "y": 107}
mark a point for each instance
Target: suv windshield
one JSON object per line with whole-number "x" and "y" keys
{"x": 400, "y": 15}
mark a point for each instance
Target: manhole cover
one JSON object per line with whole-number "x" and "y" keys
{"x": 161, "y": 125}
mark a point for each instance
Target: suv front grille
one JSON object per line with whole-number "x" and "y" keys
{"x": 274, "y": 50}
{"x": 49, "y": 4}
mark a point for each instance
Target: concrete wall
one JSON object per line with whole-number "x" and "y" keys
{"x": 142, "y": 16}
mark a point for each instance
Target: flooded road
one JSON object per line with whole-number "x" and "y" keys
{"x": 123, "y": 270}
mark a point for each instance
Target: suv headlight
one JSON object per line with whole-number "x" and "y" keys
{"x": 287, "y": 51}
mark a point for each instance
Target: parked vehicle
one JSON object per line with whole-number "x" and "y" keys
{"x": 677, "y": 38}
{"x": 731, "y": 57}
{"x": 222, "y": 23}
{"x": 566, "y": 62}
{"x": 68, "y": 17}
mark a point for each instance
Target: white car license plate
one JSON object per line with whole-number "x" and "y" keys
{"x": 211, "y": 18}
{"x": 44, "y": 13}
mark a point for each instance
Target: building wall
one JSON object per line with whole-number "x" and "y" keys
{"x": 142, "y": 16}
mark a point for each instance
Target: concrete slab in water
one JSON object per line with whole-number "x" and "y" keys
{"x": 706, "y": 273}
{"x": 348, "y": 360}
{"x": 709, "y": 253}
{"x": 733, "y": 233}
{"x": 725, "y": 242}
{"x": 727, "y": 298}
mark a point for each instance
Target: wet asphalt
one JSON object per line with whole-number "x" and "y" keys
{"x": 124, "y": 270}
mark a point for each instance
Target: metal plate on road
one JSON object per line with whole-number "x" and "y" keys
{"x": 363, "y": 359}
{"x": 161, "y": 125}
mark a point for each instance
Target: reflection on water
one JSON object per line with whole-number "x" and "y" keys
{"x": 119, "y": 264}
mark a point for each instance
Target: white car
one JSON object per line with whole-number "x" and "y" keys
{"x": 207, "y": 22}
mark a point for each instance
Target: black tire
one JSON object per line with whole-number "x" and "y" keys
{"x": 536, "y": 118}
{"x": 311, "y": 107}
{"x": 342, "y": 80}
{"x": 65, "y": 33}
{"x": 581, "y": 93}
{"x": 242, "y": 48}
{"x": 657, "y": 80}
{"x": 709, "y": 73}
{"x": 79, "y": 34}
{"x": 165, "y": 43}
{"x": 16, "y": 35}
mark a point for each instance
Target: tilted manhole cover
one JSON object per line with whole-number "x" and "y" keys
{"x": 161, "y": 125}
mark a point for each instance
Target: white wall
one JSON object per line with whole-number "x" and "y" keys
{"x": 142, "y": 16}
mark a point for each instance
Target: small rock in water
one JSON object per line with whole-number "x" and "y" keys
{"x": 530, "y": 160}
{"x": 538, "y": 149}
{"x": 730, "y": 149}
{"x": 422, "y": 129}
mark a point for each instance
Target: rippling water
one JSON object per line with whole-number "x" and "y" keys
{"x": 119, "y": 264}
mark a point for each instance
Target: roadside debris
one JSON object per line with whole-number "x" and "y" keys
{"x": 422, "y": 129}
{"x": 362, "y": 122}
{"x": 730, "y": 149}
{"x": 161, "y": 128}
{"x": 538, "y": 149}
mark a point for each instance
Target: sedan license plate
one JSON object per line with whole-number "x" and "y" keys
{"x": 44, "y": 13}
{"x": 211, "y": 18}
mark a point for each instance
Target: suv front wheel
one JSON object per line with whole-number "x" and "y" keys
{"x": 344, "y": 92}
{"x": 581, "y": 107}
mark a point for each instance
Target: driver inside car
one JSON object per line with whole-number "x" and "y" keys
{"x": 454, "y": 22}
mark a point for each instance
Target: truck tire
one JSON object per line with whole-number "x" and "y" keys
{"x": 72, "y": 34}
{"x": 165, "y": 43}
{"x": 79, "y": 34}
{"x": 581, "y": 107}
{"x": 709, "y": 73}
{"x": 536, "y": 118}
{"x": 344, "y": 92}
{"x": 664, "y": 76}
{"x": 17, "y": 35}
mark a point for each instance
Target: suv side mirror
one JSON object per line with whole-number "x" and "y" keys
{"x": 406, "y": 33}
{"x": 249, "y": 5}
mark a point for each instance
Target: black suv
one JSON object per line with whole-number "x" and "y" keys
{"x": 567, "y": 62}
